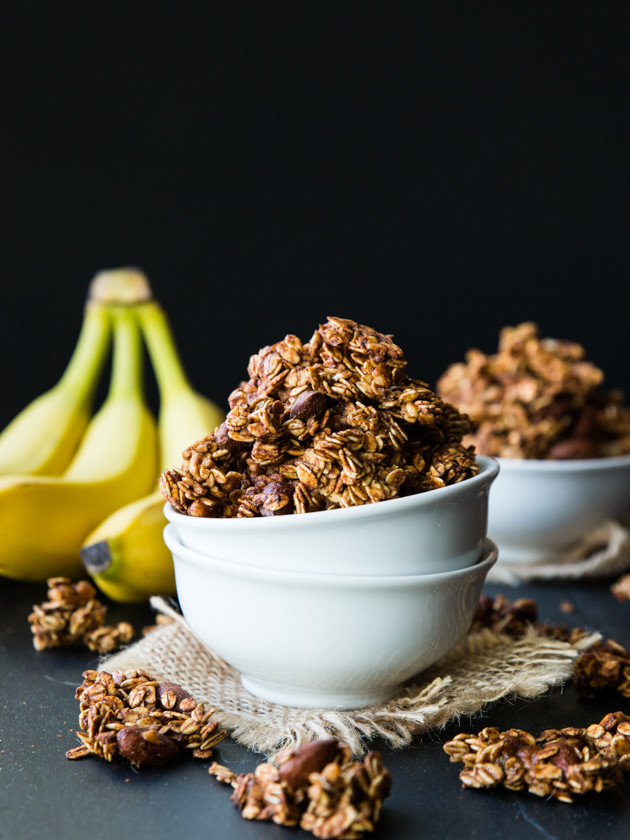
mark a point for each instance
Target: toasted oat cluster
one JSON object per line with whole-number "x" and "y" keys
{"x": 135, "y": 717}
{"x": 559, "y": 763}
{"x": 604, "y": 666}
{"x": 316, "y": 786}
{"x": 537, "y": 398}
{"x": 73, "y": 615}
{"x": 335, "y": 422}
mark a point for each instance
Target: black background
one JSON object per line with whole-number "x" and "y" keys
{"x": 434, "y": 170}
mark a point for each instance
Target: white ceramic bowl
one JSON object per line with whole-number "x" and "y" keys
{"x": 539, "y": 509}
{"x": 324, "y": 641}
{"x": 437, "y": 531}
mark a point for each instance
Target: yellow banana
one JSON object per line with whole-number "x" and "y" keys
{"x": 43, "y": 520}
{"x": 126, "y": 555}
{"x": 44, "y": 436}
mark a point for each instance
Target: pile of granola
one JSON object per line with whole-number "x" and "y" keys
{"x": 560, "y": 763}
{"x": 73, "y": 615}
{"x": 537, "y": 398}
{"x": 335, "y": 422}
{"x": 317, "y": 786}
{"x": 133, "y": 716}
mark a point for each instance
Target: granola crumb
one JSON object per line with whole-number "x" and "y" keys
{"x": 161, "y": 620}
{"x": 566, "y": 607}
{"x": 621, "y": 588}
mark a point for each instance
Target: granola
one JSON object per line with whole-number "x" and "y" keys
{"x": 503, "y": 616}
{"x": 559, "y": 763}
{"x": 135, "y": 717}
{"x": 605, "y": 665}
{"x": 335, "y": 422}
{"x": 317, "y": 786}
{"x": 537, "y": 398}
{"x": 73, "y": 615}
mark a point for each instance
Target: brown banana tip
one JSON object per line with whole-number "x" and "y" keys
{"x": 97, "y": 557}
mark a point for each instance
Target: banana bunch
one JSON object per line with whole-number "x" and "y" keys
{"x": 79, "y": 491}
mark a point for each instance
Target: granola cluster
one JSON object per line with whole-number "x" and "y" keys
{"x": 317, "y": 786}
{"x": 335, "y": 422}
{"x": 503, "y": 616}
{"x": 559, "y": 763}
{"x": 135, "y": 717}
{"x": 605, "y": 665}
{"x": 514, "y": 618}
{"x": 537, "y": 398}
{"x": 72, "y": 615}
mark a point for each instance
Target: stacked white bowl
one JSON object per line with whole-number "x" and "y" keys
{"x": 338, "y": 608}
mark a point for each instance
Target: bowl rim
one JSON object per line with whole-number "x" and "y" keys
{"x": 562, "y": 466}
{"x": 489, "y": 556}
{"x": 488, "y": 471}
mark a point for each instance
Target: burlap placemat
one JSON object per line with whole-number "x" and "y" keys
{"x": 483, "y": 668}
{"x": 604, "y": 551}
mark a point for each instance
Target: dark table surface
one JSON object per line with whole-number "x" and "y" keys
{"x": 44, "y": 795}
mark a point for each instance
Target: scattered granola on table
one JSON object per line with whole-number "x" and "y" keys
{"x": 503, "y": 616}
{"x": 560, "y": 763}
{"x": 537, "y": 398}
{"x": 317, "y": 786}
{"x": 604, "y": 665}
{"x": 335, "y": 422}
{"x": 133, "y": 716}
{"x": 73, "y": 615}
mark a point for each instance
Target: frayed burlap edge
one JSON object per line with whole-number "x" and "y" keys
{"x": 483, "y": 668}
{"x": 604, "y": 551}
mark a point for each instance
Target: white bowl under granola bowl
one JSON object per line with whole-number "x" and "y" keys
{"x": 540, "y": 509}
{"x": 324, "y": 641}
{"x": 437, "y": 531}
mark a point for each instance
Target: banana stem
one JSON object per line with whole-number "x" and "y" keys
{"x": 81, "y": 374}
{"x": 169, "y": 371}
{"x": 126, "y": 379}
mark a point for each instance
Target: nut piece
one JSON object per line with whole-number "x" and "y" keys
{"x": 133, "y": 716}
{"x": 317, "y": 786}
{"x": 335, "y": 422}
{"x": 173, "y": 696}
{"x": 560, "y": 763}
{"x": 537, "y": 398}
{"x": 296, "y": 765}
{"x": 145, "y": 746}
